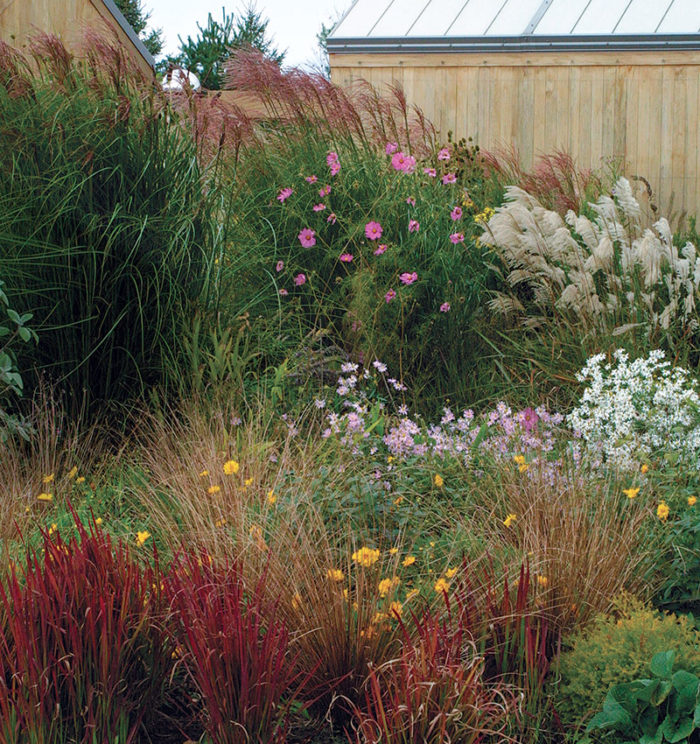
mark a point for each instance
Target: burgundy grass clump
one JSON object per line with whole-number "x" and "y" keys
{"x": 236, "y": 650}
{"x": 82, "y": 656}
{"x": 555, "y": 180}
{"x": 435, "y": 691}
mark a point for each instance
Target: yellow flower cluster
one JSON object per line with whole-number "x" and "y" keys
{"x": 521, "y": 463}
{"x": 438, "y": 480}
{"x": 366, "y": 556}
{"x": 141, "y": 537}
{"x": 231, "y": 467}
{"x": 335, "y": 574}
{"x": 485, "y": 215}
{"x": 631, "y": 493}
{"x": 662, "y": 511}
{"x": 388, "y": 585}
{"x": 508, "y": 521}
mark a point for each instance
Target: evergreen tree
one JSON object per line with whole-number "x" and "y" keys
{"x": 206, "y": 55}
{"x": 137, "y": 18}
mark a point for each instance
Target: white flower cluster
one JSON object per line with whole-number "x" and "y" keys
{"x": 631, "y": 411}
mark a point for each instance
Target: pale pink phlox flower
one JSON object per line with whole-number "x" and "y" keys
{"x": 279, "y": 266}
{"x": 319, "y": 207}
{"x": 430, "y": 172}
{"x": 381, "y": 248}
{"x": 300, "y": 279}
{"x": 449, "y": 178}
{"x": 391, "y": 147}
{"x": 457, "y": 238}
{"x": 324, "y": 190}
{"x": 283, "y": 292}
{"x": 413, "y": 226}
{"x": 311, "y": 179}
{"x": 284, "y": 194}
{"x": 408, "y": 277}
{"x": 373, "y": 231}
{"x": 331, "y": 218}
{"x": 346, "y": 257}
{"x": 331, "y": 158}
{"x": 444, "y": 154}
{"x": 411, "y": 201}
{"x": 456, "y": 213}
{"x": 389, "y": 296}
{"x": 335, "y": 169}
{"x": 445, "y": 307}
{"x": 307, "y": 237}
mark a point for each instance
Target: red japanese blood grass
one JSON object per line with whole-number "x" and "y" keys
{"x": 235, "y": 648}
{"x": 81, "y": 654}
{"x": 435, "y": 690}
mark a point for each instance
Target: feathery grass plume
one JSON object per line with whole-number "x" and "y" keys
{"x": 82, "y": 653}
{"x": 555, "y": 181}
{"x": 103, "y": 219}
{"x": 604, "y": 280}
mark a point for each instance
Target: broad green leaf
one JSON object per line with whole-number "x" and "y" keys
{"x": 662, "y": 663}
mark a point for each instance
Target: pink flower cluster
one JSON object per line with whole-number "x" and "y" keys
{"x": 284, "y": 194}
{"x": 373, "y": 231}
{"x": 333, "y": 163}
{"x": 400, "y": 161}
{"x": 307, "y": 237}
{"x": 408, "y": 277}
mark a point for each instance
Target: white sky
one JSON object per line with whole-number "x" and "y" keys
{"x": 293, "y": 24}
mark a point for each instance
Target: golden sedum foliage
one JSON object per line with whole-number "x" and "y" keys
{"x": 610, "y": 270}
{"x": 618, "y": 648}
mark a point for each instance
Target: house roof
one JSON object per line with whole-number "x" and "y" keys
{"x": 515, "y": 25}
{"x": 129, "y": 31}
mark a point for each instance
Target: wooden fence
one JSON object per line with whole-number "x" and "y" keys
{"x": 640, "y": 108}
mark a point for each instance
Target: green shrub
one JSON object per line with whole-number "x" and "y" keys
{"x": 103, "y": 220}
{"x": 616, "y": 649}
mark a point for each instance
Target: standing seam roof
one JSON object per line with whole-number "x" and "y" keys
{"x": 528, "y": 19}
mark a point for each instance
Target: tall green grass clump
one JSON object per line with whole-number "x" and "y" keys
{"x": 103, "y": 217}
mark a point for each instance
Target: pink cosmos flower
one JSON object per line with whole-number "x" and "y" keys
{"x": 319, "y": 207}
{"x": 444, "y": 154}
{"x": 331, "y": 158}
{"x": 391, "y": 148}
{"x": 457, "y": 238}
{"x": 389, "y": 296}
{"x": 445, "y": 307}
{"x": 408, "y": 277}
{"x": 411, "y": 201}
{"x": 331, "y": 218}
{"x": 346, "y": 257}
{"x": 413, "y": 226}
{"x": 311, "y": 179}
{"x": 403, "y": 162}
{"x": 324, "y": 191}
{"x": 283, "y": 292}
{"x": 430, "y": 172}
{"x": 284, "y": 194}
{"x": 300, "y": 279}
{"x": 529, "y": 419}
{"x": 335, "y": 169}
{"x": 456, "y": 213}
{"x": 381, "y": 248}
{"x": 279, "y": 266}
{"x": 307, "y": 237}
{"x": 449, "y": 178}
{"x": 373, "y": 231}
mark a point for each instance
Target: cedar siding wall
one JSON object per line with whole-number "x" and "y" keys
{"x": 641, "y": 107}
{"x": 68, "y": 19}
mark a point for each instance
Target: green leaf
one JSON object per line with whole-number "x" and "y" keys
{"x": 13, "y": 315}
{"x": 676, "y": 732}
{"x": 25, "y": 334}
{"x": 662, "y": 663}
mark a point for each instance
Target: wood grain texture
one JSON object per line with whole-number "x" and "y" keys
{"x": 68, "y": 19}
{"x": 636, "y": 110}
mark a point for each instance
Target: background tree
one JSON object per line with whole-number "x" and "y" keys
{"x": 138, "y": 18}
{"x": 206, "y": 55}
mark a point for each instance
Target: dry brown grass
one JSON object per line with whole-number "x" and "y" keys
{"x": 582, "y": 539}
{"x": 56, "y": 447}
